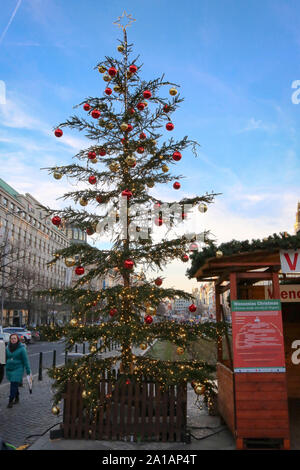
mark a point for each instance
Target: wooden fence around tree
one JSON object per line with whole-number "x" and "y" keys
{"x": 135, "y": 412}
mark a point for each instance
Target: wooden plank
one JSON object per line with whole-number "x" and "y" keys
{"x": 151, "y": 411}
{"x": 129, "y": 425}
{"x": 108, "y": 429}
{"x": 274, "y": 423}
{"x": 136, "y": 420}
{"x": 171, "y": 411}
{"x": 158, "y": 405}
{"x": 261, "y": 387}
{"x": 101, "y": 410}
{"x": 67, "y": 404}
{"x": 261, "y": 405}
{"x": 80, "y": 413}
{"x": 115, "y": 412}
{"x": 143, "y": 414}
{"x": 165, "y": 415}
{"x": 260, "y": 414}
{"x": 122, "y": 400}
{"x": 272, "y": 396}
{"x": 262, "y": 433}
{"x": 265, "y": 377}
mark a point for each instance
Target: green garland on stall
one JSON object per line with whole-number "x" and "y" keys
{"x": 282, "y": 241}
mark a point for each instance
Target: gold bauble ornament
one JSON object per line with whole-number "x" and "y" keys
{"x": 55, "y": 410}
{"x": 106, "y": 78}
{"x": 83, "y": 202}
{"x": 199, "y": 389}
{"x": 145, "y": 103}
{"x": 84, "y": 394}
{"x": 73, "y": 322}
{"x": 110, "y": 125}
{"x": 93, "y": 349}
{"x": 114, "y": 167}
{"x": 117, "y": 89}
{"x": 131, "y": 161}
{"x": 57, "y": 175}
{"x": 161, "y": 157}
{"x": 173, "y": 91}
{"x": 94, "y": 160}
{"x": 202, "y": 207}
{"x": 129, "y": 75}
{"x": 124, "y": 126}
{"x": 165, "y": 168}
{"x": 219, "y": 254}
{"x": 154, "y": 142}
{"x": 151, "y": 311}
{"x": 70, "y": 261}
{"x": 120, "y": 48}
{"x": 150, "y": 184}
{"x": 101, "y": 69}
{"x": 180, "y": 350}
{"x": 143, "y": 346}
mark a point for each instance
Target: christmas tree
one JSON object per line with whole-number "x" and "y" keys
{"x": 126, "y": 158}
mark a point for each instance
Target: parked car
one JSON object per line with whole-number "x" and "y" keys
{"x": 21, "y": 332}
{"x": 2, "y": 357}
{"x": 5, "y": 337}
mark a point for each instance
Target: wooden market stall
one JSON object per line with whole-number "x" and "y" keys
{"x": 255, "y": 402}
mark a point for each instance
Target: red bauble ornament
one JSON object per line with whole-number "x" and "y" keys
{"x": 128, "y": 382}
{"x": 169, "y": 126}
{"x": 140, "y": 150}
{"x": 56, "y": 220}
{"x": 92, "y": 155}
{"x": 95, "y": 113}
{"x": 127, "y": 193}
{"x": 92, "y": 179}
{"x": 112, "y": 71}
{"x": 192, "y": 308}
{"x": 124, "y": 141}
{"x": 148, "y": 319}
{"x": 141, "y": 106}
{"x": 113, "y": 311}
{"x": 102, "y": 152}
{"x": 79, "y": 270}
{"x": 176, "y": 185}
{"x": 129, "y": 128}
{"x": 108, "y": 91}
{"x": 147, "y": 94}
{"x": 58, "y": 132}
{"x": 132, "y": 111}
{"x": 158, "y": 221}
{"x": 128, "y": 264}
{"x": 132, "y": 68}
{"x": 86, "y": 107}
{"x": 166, "y": 108}
{"x": 185, "y": 258}
{"x": 158, "y": 281}
{"x": 177, "y": 156}
{"x": 99, "y": 199}
{"x": 143, "y": 136}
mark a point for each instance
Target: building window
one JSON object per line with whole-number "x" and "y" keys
{"x": 5, "y": 201}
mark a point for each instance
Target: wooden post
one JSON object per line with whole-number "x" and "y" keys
{"x": 219, "y": 319}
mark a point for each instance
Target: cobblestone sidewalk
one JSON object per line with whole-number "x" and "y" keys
{"x": 32, "y": 416}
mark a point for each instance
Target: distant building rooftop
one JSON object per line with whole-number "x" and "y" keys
{"x": 9, "y": 189}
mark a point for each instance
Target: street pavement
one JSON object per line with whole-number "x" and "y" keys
{"x": 29, "y": 422}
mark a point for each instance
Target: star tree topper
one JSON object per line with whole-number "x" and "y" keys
{"x": 121, "y": 21}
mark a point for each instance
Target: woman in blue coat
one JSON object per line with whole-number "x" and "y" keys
{"x": 16, "y": 361}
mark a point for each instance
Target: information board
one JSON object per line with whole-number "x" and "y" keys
{"x": 257, "y": 336}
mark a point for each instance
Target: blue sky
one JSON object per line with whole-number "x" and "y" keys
{"x": 235, "y": 63}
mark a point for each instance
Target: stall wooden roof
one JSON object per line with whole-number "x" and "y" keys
{"x": 214, "y": 268}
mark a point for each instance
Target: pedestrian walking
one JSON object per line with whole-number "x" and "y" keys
{"x": 16, "y": 362}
